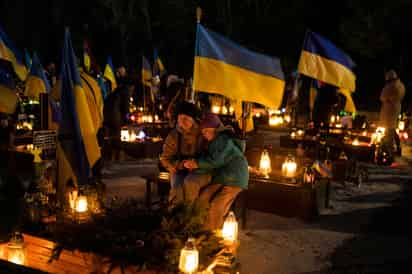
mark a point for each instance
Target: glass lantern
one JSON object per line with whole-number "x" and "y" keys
{"x": 189, "y": 258}
{"x": 216, "y": 109}
{"x": 81, "y": 204}
{"x": 309, "y": 176}
{"x": 230, "y": 229}
{"x": 16, "y": 249}
{"x": 355, "y": 142}
{"x": 289, "y": 167}
{"x": 124, "y": 135}
{"x": 265, "y": 165}
{"x": 401, "y": 125}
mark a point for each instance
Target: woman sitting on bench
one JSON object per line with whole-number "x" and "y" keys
{"x": 228, "y": 166}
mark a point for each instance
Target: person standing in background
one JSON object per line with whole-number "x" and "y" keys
{"x": 391, "y": 101}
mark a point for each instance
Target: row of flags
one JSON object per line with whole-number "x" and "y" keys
{"x": 221, "y": 66}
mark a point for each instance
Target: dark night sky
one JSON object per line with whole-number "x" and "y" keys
{"x": 370, "y": 32}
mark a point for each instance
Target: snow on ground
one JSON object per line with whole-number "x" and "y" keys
{"x": 275, "y": 244}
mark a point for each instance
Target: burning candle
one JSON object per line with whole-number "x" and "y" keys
{"x": 265, "y": 165}
{"x": 289, "y": 167}
{"x": 189, "y": 258}
{"x": 230, "y": 229}
{"x": 16, "y": 249}
{"x": 81, "y": 204}
{"x": 124, "y": 135}
{"x": 216, "y": 109}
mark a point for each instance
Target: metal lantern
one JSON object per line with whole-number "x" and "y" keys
{"x": 265, "y": 165}
{"x": 275, "y": 120}
{"x": 81, "y": 204}
{"x": 332, "y": 119}
{"x": 401, "y": 125}
{"x": 189, "y": 257}
{"x": 289, "y": 167}
{"x": 16, "y": 249}
{"x": 216, "y": 109}
{"x": 132, "y": 136}
{"x": 230, "y": 229}
{"x": 124, "y": 135}
{"x": 309, "y": 176}
{"x": 287, "y": 118}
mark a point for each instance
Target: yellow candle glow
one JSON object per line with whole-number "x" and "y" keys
{"x": 132, "y": 137}
{"x": 275, "y": 120}
{"x": 124, "y": 135}
{"x": 224, "y": 111}
{"x": 81, "y": 204}
{"x": 287, "y": 118}
{"x": 289, "y": 167}
{"x": 265, "y": 165}
{"x": 16, "y": 249}
{"x": 216, "y": 109}
{"x": 189, "y": 258}
{"x": 230, "y": 229}
{"x": 355, "y": 142}
{"x": 401, "y": 125}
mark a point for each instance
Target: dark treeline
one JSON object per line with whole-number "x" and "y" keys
{"x": 374, "y": 33}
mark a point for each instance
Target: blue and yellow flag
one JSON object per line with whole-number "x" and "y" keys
{"x": 109, "y": 73}
{"x": 102, "y": 85}
{"x": 9, "y": 53}
{"x": 158, "y": 67}
{"x": 27, "y": 59}
{"x": 349, "y": 103}
{"x": 8, "y": 100}
{"x": 8, "y": 96}
{"x": 36, "y": 82}
{"x": 226, "y": 68}
{"x": 322, "y": 60}
{"x": 77, "y": 137}
{"x": 146, "y": 72}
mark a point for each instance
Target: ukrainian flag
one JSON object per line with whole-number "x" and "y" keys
{"x": 27, "y": 59}
{"x": 77, "y": 138}
{"x": 94, "y": 97}
{"x": 322, "y": 60}
{"x": 146, "y": 72}
{"x": 109, "y": 73}
{"x": 8, "y": 99}
{"x": 158, "y": 67}
{"x": 223, "y": 67}
{"x": 349, "y": 104}
{"x": 36, "y": 82}
{"x": 9, "y": 53}
{"x": 86, "y": 56}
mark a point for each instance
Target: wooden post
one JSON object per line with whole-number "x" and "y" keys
{"x": 44, "y": 111}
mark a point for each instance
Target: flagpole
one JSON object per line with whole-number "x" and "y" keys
{"x": 143, "y": 89}
{"x": 198, "y": 18}
{"x": 298, "y": 78}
